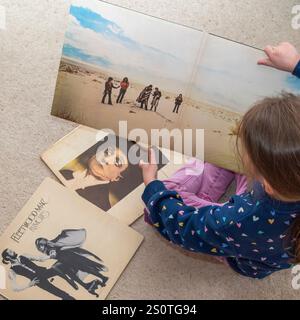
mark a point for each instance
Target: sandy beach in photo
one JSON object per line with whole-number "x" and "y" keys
{"x": 220, "y": 132}
{"x": 79, "y": 93}
{"x": 78, "y": 97}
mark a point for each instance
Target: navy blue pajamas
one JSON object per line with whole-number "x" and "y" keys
{"x": 251, "y": 230}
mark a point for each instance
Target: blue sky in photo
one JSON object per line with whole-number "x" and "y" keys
{"x": 150, "y": 50}
{"x": 94, "y": 21}
{"x": 88, "y": 19}
{"x": 130, "y": 44}
{"x": 228, "y": 75}
{"x": 78, "y": 54}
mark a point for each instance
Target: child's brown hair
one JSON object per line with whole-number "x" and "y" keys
{"x": 269, "y": 134}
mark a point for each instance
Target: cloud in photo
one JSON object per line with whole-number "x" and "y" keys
{"x": 143, "y": 48}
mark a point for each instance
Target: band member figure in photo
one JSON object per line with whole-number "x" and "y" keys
{"x": 124, "y": 86}
{"x": 108, "y": 90}
{"x": 102, "y": 169}
{"x": 178, "y": 102}
{"x": 144, "y": 97}
{"x": 155, "y": 101}
{"x": 20, "y": 265}
{"x": 77, "y": 263}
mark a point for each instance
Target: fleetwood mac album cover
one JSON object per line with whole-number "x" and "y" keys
{"x": 62, "y": 247}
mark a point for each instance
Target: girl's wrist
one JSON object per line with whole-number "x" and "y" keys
{"x": 296, "y": 67}
{"x": 147, "y": 181}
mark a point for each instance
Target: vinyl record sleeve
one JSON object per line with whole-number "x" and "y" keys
{"x": 60, "y": 246}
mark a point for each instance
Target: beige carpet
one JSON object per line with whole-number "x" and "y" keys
{"x": 30, "y": 51}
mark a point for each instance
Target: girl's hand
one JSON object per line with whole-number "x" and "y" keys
{"x": 149, "y": 168}
{"x": 284, "y": 57}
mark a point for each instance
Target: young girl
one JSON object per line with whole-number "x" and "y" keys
{"x": 257, "y": 232}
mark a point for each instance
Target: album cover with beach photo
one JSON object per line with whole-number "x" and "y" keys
{"x": 104, "y": 169}
{"x": 119, "y": 64}
{"x": 60, "y": 247}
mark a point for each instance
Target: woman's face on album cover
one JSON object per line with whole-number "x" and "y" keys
{"x": 108, "y": 164}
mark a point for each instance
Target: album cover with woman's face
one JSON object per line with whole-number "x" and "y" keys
{"x": 60, "y": 247}
{"x": 104, "y": 169}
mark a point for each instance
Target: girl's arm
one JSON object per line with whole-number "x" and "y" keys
{"x": 201, "y": 230}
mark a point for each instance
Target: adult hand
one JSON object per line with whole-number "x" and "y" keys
{"x": 149, "y": 168}
{"x": 284, "y": 57}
